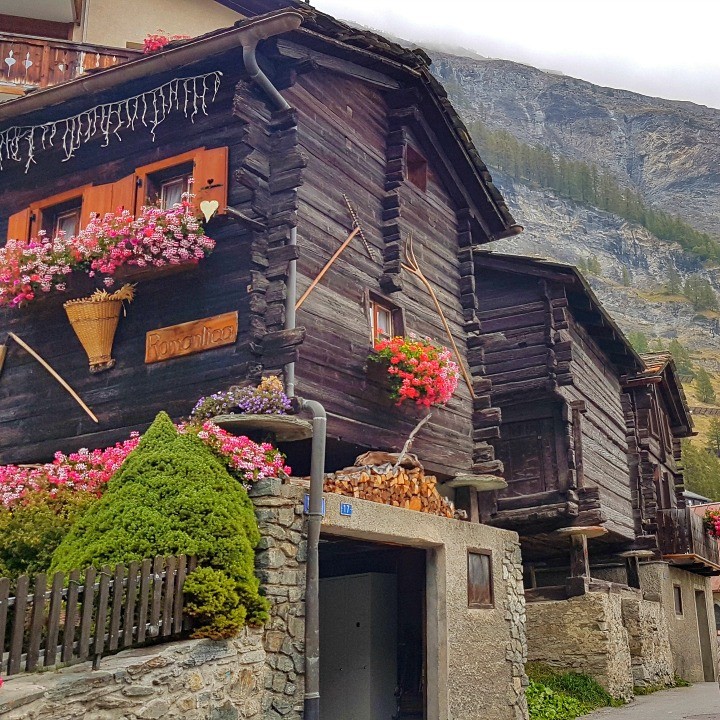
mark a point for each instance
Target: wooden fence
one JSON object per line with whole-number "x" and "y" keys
{"x": 705, "y": 411}
{"x": 79, "y": 618}
{"x": 38, "y": 62}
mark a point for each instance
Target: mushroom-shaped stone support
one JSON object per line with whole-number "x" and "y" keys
{"x": 579, "y": 534}
{"x": 480, "y": 483}
{"x": 632, "y": 565}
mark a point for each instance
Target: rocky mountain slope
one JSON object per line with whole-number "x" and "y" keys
{"x": 667, "y": 151}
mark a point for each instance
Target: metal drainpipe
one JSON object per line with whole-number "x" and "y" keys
{"x": 311, "y": 709}
{"x": 311, "y": 705}
{"x": 259, "y": 77}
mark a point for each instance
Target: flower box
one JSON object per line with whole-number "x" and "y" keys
{"x": 136, "y": 273}
{"x": 155, "y": 242}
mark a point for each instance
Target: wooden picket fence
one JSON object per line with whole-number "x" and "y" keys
{"x": 86, "y": 617}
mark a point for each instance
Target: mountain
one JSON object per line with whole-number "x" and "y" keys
{"x": 662, "y": 156}
{"x": 666, "y": 153}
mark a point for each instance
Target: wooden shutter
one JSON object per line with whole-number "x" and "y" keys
{"x": 96, "y": 199}
{"x": 123, "y": 194}
{"x": 210, "y": 177}
{"x": 19, "y": 225}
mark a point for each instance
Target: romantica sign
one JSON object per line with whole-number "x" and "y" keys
{"x": 191, "y": 337}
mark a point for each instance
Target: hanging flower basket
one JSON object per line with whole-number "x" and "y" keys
{"x": 94, "y": 320}
{"x": 417, "y": 370}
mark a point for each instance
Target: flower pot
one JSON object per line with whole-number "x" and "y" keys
{"x": 136, "y": 273}
{"x": 94, "y": 320}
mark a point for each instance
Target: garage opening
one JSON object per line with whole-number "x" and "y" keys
{"x": 372, "y": 630}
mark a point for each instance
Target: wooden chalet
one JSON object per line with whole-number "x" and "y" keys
{"x": 295, "y": 128}
{"x": 365, "y": 126}
{"x": 658, "y": 418}
{"x": 588, "y": 431}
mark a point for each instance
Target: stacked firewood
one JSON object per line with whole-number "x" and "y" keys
{"x": 405, "y": 485}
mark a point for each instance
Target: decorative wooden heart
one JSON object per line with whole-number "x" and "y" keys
{"x": 209, "y": 208}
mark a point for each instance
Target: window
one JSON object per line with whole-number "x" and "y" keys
{"x": 416, "y": 166}
{"x": 386, "y": 319}
{"x": 161, "y": 183}
{"x": 677, "y": 592}
{"x": 64, "y": 217}
{"x": 165, "y": 188}
{"x": 480, "y": 585}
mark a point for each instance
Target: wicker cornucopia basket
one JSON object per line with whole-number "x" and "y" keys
{"x": 94, "y": 320}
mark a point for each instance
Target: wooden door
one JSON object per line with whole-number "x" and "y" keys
{"x": 527, "y": 449}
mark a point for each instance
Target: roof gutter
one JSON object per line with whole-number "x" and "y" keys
{"x": 249, "y": 33}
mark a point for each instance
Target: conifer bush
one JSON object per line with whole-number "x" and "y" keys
{"x": 174, "y": 496}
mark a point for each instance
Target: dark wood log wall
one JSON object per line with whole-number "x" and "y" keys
{"x": 345, "y": 135}
{"x": 549, "y": 377}
{"x": 604, "y": 433}
{"x": 37, "y": 416}
{"x": 657, "y": 454}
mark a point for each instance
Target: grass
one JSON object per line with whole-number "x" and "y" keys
{"x": 650, "y": 689}
{"x": 557, "y": 695}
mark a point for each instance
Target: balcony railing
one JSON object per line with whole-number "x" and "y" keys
{"x": 31, "y": 62}
{"x": 683, "y": 541}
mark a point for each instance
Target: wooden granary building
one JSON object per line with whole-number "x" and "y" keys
{"x": 588, "y": 432}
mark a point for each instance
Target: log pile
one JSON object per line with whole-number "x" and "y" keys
{"x": 405, "y": 487}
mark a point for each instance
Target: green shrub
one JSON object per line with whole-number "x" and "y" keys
{"x": 172, "y": 495}
{"x": 581, "y": 687}
{"x": 546, "y": 704}
{"x": 32, "y": 529}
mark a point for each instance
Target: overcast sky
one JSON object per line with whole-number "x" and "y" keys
{"x": 655, "y": 47}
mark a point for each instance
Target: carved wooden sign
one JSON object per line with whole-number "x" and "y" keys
{"x": 191, "y": 337}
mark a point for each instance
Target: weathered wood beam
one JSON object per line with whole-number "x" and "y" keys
{"x": 493, "y": 263}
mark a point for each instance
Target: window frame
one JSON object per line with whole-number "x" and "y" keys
{"x": 416, "y": 168}
{"x": 48, "y": 205}
{"x": 473, "y": 604}
{"x": 372, "y": 300}
{"x": 678, "y": 600}
{"x": 144, "y": 174}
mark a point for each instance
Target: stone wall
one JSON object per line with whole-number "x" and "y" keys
{"x": 658, "y": 579}
{"x": 618, "y": 638}
{"x": 584, "y": 634}
{"x": 191, "y": 679}
{"x": 649, "y": 642}
{"x": 280, "y": 564}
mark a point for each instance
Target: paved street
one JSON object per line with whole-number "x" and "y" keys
{"x": 699, "y": 702}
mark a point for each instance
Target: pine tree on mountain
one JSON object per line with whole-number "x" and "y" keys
{"x": 639, "y": 341}
{"x": 704, "y": 387}
{"x": 674, "y": 283}
{"x": 681, "y": 356}
{"x": 714, "y": 436}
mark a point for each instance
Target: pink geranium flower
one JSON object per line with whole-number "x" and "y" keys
{"x": 154, "y": 238}
{"x": 419, "y": 370}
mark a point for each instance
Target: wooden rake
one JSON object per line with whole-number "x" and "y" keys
{"x": 49, "y": 368}
{"x": 412, "y": 266}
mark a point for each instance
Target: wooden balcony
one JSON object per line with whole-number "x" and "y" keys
{"x": 31, "y": 62}
{"x": 683, "y": 541}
